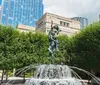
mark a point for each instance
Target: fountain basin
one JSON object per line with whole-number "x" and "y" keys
{"x": 70, "y": 81}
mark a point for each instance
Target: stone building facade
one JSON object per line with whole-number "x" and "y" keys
{"x": 67, "y": 25}
{"x": 25, "y": 28}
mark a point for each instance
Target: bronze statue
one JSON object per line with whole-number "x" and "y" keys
{"x": 53, "y": 42}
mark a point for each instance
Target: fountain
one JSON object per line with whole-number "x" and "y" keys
{"x": 53, "y": 75}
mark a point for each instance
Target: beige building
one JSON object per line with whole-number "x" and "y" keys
{"x": 25, "y": 28}
{"x": 67, "y": 26}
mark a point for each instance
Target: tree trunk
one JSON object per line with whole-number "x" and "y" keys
{"x": 6, "y": 75}
{"x": 33, "y": 72}
{"x": 2, "y": 75}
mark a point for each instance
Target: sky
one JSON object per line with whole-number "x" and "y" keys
{"x": 74, "y": 8}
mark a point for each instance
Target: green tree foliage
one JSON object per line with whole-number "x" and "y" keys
{"x": 21, "y": 49}
{"x": 7, "y": 36}
{"x": 62, "y": 54}
{"x": 86, "y": 47}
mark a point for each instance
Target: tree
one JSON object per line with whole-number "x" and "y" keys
{"x": 86, "y": 47}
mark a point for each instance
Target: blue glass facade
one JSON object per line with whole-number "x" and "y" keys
{"x": 0, "y": 2}
{"x": 83, "y": 21}
{"x": 25, "y": 12}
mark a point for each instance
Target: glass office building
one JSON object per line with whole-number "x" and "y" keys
{"x": 27, "y": 12}
{"x": 83, "y": 21}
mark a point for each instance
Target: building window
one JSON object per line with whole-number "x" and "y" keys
{"x": 67, "y": 24}
{"x": 64, "y": 24}
{"x": 60, "y": 22}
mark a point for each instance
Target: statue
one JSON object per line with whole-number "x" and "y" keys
{"x": 53, "y": 42}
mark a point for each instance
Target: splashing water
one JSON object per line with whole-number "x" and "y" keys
{"x": 53, "y": 75}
